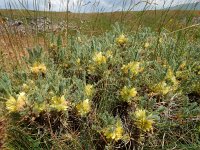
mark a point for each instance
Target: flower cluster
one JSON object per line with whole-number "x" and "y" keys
{"x": 84, "y": 107}
{"x": 38, "y": 68}
{"x": 169, "y": 84}
{"x": 16, "y": 105}
{"x": 128, "y": 93}
{"x": 121, "y": 40}
{"x": 133, "y": 67}
{"x": 142, "y": 121}
{"x": 99, "y": 58}
{"x": 114, "y": 132}
{"x": 89, "y": 90}
{"x": 161, "y": 88}
{"x": 59, "y": 103}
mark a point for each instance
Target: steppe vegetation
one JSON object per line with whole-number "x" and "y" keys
{"x": 117, "y": 80}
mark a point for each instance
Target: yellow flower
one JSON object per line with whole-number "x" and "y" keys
{"x": 59, "y": 103}
{"x": 127, "y": 93}
{"x": 16, "y": 105}
{"x": 99, "y": 58}
{"x": 160, "y": 40}
{"x": 132, "y": 92}
{"x": 182, "y": 75}
{"x": 84, "y": 107}
{"x": 146, "y": 45}
{"x": 89, "y": 90}
{"x": 134, "y": 67}
{"x": 125, "y": 68}
{"x": 78, "y": 61}
{"x": 121, "y": 40}
{"x": 142, "y": 121}
{"x": 79, "y": 39}
{"x": 170, "y": 76}
{"x": 38, "y": 68}
{"x": 21, "y": 99}
{"x": 140, "y": 114}
{"x": 161, "y": 88}
{"x": 91, "y": 69}
{"x": 114, "y": 132}
{"x": 11, "y": 104}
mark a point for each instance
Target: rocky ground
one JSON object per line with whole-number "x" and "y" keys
{"x": 32, "y": 25}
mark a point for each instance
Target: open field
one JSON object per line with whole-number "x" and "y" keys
{"x": 118, "y": 80}
{"x": 101, "y": 22}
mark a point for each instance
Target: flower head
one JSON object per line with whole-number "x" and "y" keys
{"x": 171, "y": 77}
{"x": 125, "y": 69}
{"x": 134, "y": 68}
{"x": 109, "y": 54}
{"x": 128, "y": 93}
{"x": 59, "y": 103}
{"x": 114, "y": 132}
{"x": 161, "y": 88}
{"x": 91, "y": 69}
{"x": 89, "y": 90}
{"x": 121, "y": 40}
{"x": 84, "y": 107}
{"x": 142, "y": 121}
{"x": 38, "y": 68}
{"x": 99, "y": 58}
{"x": 79, "y": 39}
{"x": 78, "y": 61}
{"x": 16, "y": 105}
{"x": 146, "y": 45}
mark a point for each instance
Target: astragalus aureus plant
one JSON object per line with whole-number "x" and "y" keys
{"x": 105, "y": 92}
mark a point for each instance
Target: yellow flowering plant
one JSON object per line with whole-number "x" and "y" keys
{"x": 89, "y": 90}
{"x": 121, "y": 40}
{"x": 16, "y": 105}
{"x": 146, "y": 45}
{"x": 83, "y": 85}
{"x": 99, "y": 58}
{"x": 38, "y": 68}
{"x": 114, "y": 132}
{"x": 133, "y": 67}
{"x": 84, "y": 107}
{"x": 143, "y": 121}
{"x": 128, "y": 93}
{"x": 59, "y": 103}
{"x": 161, "y": 88}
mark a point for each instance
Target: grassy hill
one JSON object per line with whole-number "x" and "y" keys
{"x": 187, "y": 6}
{"x": 99, "y": 22}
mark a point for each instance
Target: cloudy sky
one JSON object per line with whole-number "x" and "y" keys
{"x": 90, "y": 5}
